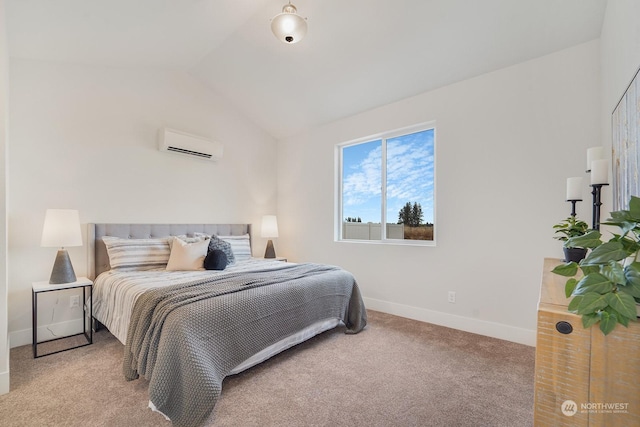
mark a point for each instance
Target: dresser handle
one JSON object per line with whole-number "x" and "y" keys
{"x": 564, "y": 327}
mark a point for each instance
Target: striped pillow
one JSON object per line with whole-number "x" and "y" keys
{"x": 240, "y": 245}
{"x": 137, "y": 254}
{"x": 189, "y": 239}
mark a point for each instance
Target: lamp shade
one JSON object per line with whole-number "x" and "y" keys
{"x": 288, "y": 26}
{"x": 61, "y": 228}
{"x": 269, "y": 226}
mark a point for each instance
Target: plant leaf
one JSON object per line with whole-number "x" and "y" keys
{"x": 624, "y": 223}
{"x": 589, "y": 320}
{"x": 617, "y": 217}
{"x": 607, "y": 322}
{"x": 566, "y": 270}
{"x": 592, "y": 302}
{"x": 631, "y": 290}
{"x": 621, "y": 319}
{"x": 589, "y": 240}
{"x": 588, "y": 269}
{"x": 570, "y": 286}
{"x": 575, "y": 303}
{"x": 624, "y": 321}
{"x": 594, "y": 283}
{"x": 632, "y": 276}
{"x": 634, "y": 208}
{"x": 623, "y": 303}
{"x": 615, "y": 273}
{"x": 629, "y": 245}
{"x": 610, "y": 251}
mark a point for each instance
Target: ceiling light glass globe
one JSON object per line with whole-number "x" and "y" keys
{"x": 288, "y": 26}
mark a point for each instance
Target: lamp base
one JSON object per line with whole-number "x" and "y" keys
{"x": 62, "y": 269}
{"x": 270, "y": 252}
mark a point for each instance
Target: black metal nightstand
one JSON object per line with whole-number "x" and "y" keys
{"x": 38, "y": 288}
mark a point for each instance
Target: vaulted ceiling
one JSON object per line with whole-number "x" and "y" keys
{"x": 357, "y": 55}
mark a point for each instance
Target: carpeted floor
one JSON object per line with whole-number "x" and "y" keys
{"x": 397, "y": 372}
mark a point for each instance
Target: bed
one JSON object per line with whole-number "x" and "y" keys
{"x": 185, "y": 331}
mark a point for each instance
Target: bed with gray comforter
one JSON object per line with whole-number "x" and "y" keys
{"x": 187, "y": 335}
{"x": 185, "y": 339}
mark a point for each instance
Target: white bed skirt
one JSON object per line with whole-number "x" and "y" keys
{"x": 282, "y": 345}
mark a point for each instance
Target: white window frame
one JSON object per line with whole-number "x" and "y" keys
{"x": 383, "y": 136}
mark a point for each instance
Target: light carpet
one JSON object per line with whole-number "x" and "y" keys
{"x": 397, "y": 372}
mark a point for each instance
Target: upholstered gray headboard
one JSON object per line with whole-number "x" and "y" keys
{"x": 99, "y": 259}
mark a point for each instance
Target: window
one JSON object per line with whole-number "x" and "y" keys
{"x": 387, "y": 179}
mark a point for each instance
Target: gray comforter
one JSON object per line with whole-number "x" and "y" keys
{"x": 186, "y": 338}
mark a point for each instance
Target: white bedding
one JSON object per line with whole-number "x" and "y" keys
{"x": 115, "y": 292}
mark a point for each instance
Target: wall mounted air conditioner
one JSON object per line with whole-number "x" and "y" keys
{"x": 175, "y": 141}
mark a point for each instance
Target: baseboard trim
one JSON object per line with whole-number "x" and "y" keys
{"x": 46, "y": 332}
{"x": 4, "y": 382}
{"x": 467, "y": 324}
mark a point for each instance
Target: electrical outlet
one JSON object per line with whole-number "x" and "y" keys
{"x": 74, "y": 301}
{"x": 452, "y": 297}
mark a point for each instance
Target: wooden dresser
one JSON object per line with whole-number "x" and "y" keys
{"x": 600, "y": 374}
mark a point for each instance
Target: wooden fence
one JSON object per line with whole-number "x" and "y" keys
{"x": 370, "y": 231}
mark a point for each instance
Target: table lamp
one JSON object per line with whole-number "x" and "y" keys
{"x": 269, "y": 229}
{"x": 61, "y": 229}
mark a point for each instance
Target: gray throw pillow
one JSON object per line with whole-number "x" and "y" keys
{"x": 219, "y": 244}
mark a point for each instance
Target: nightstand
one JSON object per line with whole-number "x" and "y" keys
{"x": 278, "y": 258}
{"x": 38, "y": 288}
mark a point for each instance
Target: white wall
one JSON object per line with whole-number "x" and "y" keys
{"x": 505, "y": 144}
{"x": 4, "y": 102}
{"x": 86, "y": 138}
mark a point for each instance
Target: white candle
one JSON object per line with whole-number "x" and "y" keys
{"x": 600, "y": 172}
{"x": 574, "y": 188}
{"x": 594, "y": 153}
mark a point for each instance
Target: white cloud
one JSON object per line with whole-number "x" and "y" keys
{"x": 360, "y": 186}
{"x": 409, "y": 171}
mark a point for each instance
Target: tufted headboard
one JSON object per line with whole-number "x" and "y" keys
{"x": 98, "y": 259}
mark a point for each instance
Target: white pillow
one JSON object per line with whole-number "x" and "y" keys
{"x": 187, "y": 256}
{"x": 137, "y": 254}
{"x": 240, "y": 245}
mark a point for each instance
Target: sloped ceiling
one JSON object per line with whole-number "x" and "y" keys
{"x": 357, "y": 55}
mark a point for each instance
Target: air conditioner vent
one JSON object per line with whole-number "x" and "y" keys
{"x": 191, "y": 153}
{"x": 178, "y": 142}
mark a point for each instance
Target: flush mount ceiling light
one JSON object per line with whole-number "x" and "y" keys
{"x": 288, "y": 26}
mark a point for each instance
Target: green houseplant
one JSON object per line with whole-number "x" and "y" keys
{"x": 570, "y": 228}
{"x": 605, "y": 286}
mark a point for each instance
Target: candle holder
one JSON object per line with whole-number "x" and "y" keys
{"x": 573, "y": 206}
{"x": 597, "y": 192}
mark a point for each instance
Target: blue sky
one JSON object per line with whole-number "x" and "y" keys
{"x": 409, "y": 177}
